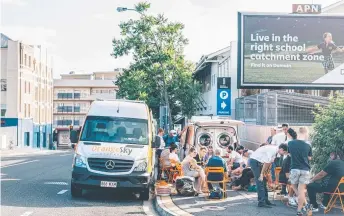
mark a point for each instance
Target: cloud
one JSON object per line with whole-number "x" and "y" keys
{"x": 14, "y": 2}
{"x": 99, "y": 16}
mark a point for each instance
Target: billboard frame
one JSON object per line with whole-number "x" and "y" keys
{"x": 240, "y": 59}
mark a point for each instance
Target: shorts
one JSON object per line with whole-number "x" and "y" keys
{"x": 299, "y": 176}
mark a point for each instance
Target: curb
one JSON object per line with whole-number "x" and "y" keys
{"x": 166, "y": 207}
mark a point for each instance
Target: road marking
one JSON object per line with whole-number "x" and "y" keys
{"x": 26, "y": 214}
{"x": 10, "y": 179}
{"x": 62, "y": 192}
{"x": 65, "y": 155}
{"x": 19, "y": 163}
{"x": 56, "y": 183}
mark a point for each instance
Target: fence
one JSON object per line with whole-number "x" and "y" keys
{"x": 276, "y": 107}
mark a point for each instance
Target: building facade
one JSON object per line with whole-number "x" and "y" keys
{"x": 73, "y": 97}
{"x": 26, "y": 95}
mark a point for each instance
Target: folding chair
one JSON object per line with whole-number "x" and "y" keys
{"x": 164, "y": 169}
{"x": 338, "y": 192}
{"x": 217, "y": 170}
{"x": 175, "y": 170}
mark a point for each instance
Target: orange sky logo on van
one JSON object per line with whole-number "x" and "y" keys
{"x": 122, "y": 150}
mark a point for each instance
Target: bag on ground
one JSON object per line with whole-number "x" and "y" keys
{"x": 185, "y": 186}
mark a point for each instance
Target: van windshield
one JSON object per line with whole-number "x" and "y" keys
{"x": 115, "y": 130}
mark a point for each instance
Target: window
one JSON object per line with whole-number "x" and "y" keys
{"x": 65, "y": 109}
{"x": 30, "y": 61}
{"x": 3, "y": 110}
{"x": 115, "y": 130}
{"x": 76, "y": 108}
{"x": 64, "y": 122}
{"x": 25, "y": 62}
{"x": 77, "y": 95}
{"x": 64, "y": 95}
{"x": 205, "y": 139}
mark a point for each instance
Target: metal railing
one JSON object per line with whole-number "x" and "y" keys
{"x": 277, "y": 107}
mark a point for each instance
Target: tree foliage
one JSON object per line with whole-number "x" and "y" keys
{"x": 328, "y": 133}
{"x": 157, "y": 47}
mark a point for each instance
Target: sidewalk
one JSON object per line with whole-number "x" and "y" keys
{"x": 238, "y": 203}
{"x": 28, "y": 151}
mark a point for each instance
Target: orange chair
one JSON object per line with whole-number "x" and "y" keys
{"x": 277, "y": 173}
{"x": 338, "y": 192}
{"x": 175, "y": 170}
{"x": 217, "y": 170}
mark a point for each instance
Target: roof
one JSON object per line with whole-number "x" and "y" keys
{"x": 119, "y": 108}
{"x": 83, "y": 83}
{"x": 4, "y": 40}
{"x": 332, "y": 6}
{"x": 219, "y": 122}
{"x": 204, "y": 61}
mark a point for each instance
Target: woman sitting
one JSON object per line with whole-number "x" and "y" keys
{"x": 192, "y": 170}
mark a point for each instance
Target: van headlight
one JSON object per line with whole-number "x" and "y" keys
{"x": 80, "y": 161}
{"x": 141, "y": 167}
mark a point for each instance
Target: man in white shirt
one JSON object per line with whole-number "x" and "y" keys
{"x": 260, "y": 162}
{"x": 234, "y": 158}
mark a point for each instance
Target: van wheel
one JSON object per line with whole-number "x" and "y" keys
{"x": 144, "y": 195}
{"x": 75, "y": 191}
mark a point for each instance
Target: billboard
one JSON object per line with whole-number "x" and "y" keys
{"x": 290, "y": 51}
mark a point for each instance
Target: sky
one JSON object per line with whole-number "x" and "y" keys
{"x": 79, "y": 33}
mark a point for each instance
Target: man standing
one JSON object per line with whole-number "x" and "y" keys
{"x": 277, "y": 140}
{"x": 171, "y": 137}
{"x": 260, "y": 163}
{"x": 301, "y": 153}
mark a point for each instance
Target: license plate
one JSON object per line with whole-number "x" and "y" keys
{"x": 108, "y": 184}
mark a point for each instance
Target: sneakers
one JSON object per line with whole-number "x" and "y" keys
{"x": 292, "y": 202}
{"x": 322, "y": 206}
{"x": 299, "y": 214}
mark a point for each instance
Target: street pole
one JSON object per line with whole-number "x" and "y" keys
{"x": 168, "y": 119}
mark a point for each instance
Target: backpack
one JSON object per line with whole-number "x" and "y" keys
{"x": 185, "y": 186}
{"x": 217, "y": 193}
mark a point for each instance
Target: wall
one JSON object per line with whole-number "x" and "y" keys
{"x": 25, "y": 125}
{"x": 251, "y": 136}
{"x": 12, "y": 99}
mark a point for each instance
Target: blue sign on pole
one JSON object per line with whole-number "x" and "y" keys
{"x": 224, "y": 102}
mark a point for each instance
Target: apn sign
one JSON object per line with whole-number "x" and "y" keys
{"x": 307, "y": 8}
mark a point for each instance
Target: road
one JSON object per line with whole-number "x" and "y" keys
{"x": 39, "y": 185}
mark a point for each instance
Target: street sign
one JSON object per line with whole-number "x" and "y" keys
{"x": 223, "y": 102}
{"x": 307, "y": 8}
{"x": 223, "y": 83}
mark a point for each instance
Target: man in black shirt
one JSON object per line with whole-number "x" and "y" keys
{"x": 330, "y": 177}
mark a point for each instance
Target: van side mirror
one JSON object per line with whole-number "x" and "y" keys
{"x": 74, "y": 136}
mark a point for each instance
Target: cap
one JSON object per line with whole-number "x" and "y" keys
{"x": 173, "y": 131}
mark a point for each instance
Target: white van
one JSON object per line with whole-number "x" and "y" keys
{"x": 114, "y": 149}
{"x": 217, "y": 132}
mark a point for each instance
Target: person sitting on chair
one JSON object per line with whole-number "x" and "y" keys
{"x": 216, "y": 161}
{"x": 329, "y": 176}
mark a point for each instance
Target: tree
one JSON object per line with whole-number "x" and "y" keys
{"x": 159, "y": 73}
{"x": 328, "y": 133}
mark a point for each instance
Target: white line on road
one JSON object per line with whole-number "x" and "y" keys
{"x": 19, "y": 163}
{"x": 62, "y": 192}
{"x": 65, "y": 155}
{"x": 27, "y": 213}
